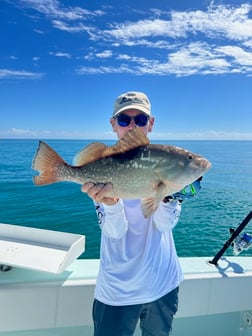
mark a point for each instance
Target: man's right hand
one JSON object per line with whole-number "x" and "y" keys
{"x": 98, "y": 191}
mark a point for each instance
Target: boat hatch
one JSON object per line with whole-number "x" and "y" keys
{"x": 38, "y": 249}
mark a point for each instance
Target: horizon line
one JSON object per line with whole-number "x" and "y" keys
{"x": 114, "y": 139}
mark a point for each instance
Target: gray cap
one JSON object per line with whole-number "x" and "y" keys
{"x": 132, "y": 100}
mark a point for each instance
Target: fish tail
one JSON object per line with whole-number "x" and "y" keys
{"x": 47, "y": 162}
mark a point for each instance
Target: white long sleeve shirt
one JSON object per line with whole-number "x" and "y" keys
{"x": 138, "y": 260}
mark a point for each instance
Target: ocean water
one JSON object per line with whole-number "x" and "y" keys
{"x": 223, "y": 202}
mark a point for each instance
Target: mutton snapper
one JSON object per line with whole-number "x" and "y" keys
{"x": 134, "y": 167}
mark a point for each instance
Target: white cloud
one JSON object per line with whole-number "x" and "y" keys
{"x": 232, "y": 22}
{"x": 248, "y": 43}
{"x": 241, "y": 56}
{"x": 19, "y": 74}
{"x": 216, "y": 40}
{"x": 143, "y": 28}
{"x": 104, "y": 54}
{"x": 16, "y": 133}
{"x": 38, "y": 31}
{"x": 206, "y": 135}
{"x": 191, "y": 59}
{"x": 123, "y": 57}
{"x": 198, "y": 57}
{"x": 70, "y": 28}
{"x": 222, "y": 34}
{"x": 54, "y": 9}
{"x": 106, "y": 70}
{"x": 60, "y": 54}
{"x": 22, "y": 133}
{"x": 218, "y": 21}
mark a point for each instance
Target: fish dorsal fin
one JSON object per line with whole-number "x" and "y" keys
{"x": 133, "y": 139}
{"x": 97, "y": 150}
{"x": 89, "y": 154}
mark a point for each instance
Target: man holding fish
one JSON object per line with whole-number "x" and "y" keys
{"x": 137, "y": 188}
{"x": 139, "y": 273}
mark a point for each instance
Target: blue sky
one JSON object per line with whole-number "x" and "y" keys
{"x": 62, "y": 64}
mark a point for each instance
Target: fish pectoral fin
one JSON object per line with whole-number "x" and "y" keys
{"x": 91, "y": 153}
{"x": 167, "y": 187}
{"x": 133, "y": 139}
{"x": 149, "y": 205}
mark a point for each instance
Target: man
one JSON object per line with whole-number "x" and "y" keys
{"x": 139, "y": 270}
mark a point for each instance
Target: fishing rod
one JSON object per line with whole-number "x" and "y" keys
{"x": 239, "y": 242}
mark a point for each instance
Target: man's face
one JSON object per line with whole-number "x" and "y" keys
{"x": 121, "y": 131}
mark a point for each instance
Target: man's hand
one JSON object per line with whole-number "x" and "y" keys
{"x": 98, "y": 191}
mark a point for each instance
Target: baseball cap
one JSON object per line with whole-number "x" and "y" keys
{"x": 132, "y": 100}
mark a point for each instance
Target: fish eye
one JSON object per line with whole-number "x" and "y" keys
{"x": 190, "y": 157}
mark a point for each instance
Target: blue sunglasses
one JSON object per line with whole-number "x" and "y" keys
{"x": 124, "y": 120}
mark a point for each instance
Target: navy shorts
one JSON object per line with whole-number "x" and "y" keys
{"x": 155, "y": 317}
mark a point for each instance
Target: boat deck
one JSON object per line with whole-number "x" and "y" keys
{"x": 214, "y": 300}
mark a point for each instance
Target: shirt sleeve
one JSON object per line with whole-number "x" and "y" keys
{"x": 167, "y": 215}
{"x": 112, "y": 219}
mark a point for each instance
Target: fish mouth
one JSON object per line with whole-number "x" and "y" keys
{"x": 199, "y": 167}
{"x": 202, "y": 163}
{"x": 206, "y": 164}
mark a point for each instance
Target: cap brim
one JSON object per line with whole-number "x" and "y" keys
{"x": 134, "y": 107}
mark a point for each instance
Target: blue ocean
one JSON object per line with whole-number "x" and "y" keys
{"x": 223, "y": 202}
